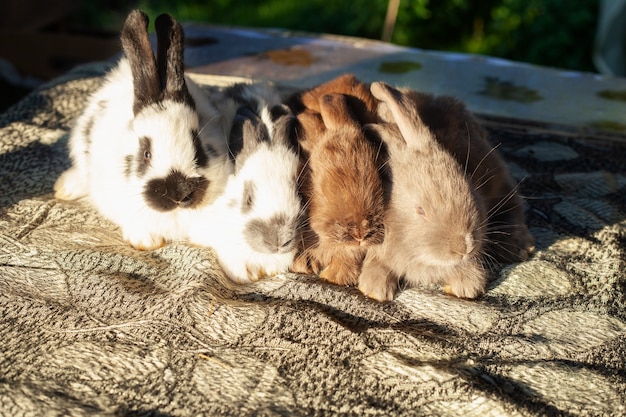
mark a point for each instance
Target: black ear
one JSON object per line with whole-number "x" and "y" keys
{"x": 284, "y": 131}
{"x": 138, "y": 51}
{"x": 245, "y": 115}
{"x": 171, "y": 59}
{"x": 247, "y": 132}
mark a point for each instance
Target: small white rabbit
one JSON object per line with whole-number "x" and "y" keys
{"x": 149, "y": 144}
{"x": 252, "y": 227}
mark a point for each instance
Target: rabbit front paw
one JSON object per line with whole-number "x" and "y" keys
{"x": 71, "y": 185}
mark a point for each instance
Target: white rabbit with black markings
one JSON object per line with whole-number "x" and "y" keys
{"x": 252, "y": 227}
{"x": 149, "y": 145}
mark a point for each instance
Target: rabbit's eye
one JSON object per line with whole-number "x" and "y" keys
{"x": 248, "y": 197}
{"x": 248, "y": 201}
{"x": 420, "y": 210}
{"x": 144, "y": 155}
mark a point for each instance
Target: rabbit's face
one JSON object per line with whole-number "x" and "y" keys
{"x": 169, "y": 157}
{"x": 434, "y": 211}
{"x": 435, "y": 215}
{"x": 269, "y": 200}
{"x": 347, "y": 205}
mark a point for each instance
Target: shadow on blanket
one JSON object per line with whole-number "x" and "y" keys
{"x": 90, "y": 326}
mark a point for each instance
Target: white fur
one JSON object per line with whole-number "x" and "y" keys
{"x": 98, "y": 170}
{"x": 273, "y": 170}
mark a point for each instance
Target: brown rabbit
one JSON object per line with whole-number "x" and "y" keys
{"x": 306, "y": 105}
{"x": 342, "y": 191}
{"x": 442, "y": 199}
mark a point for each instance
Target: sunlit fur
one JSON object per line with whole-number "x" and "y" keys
{"x": 342, "y": 187}
{"x": 221, "y": 225}
{"x": 227, "y": 225}
{"x": 104, "y": 147}
{"x": 454, "y": 207}
{"x": 359, "y": 100}
{"x": 433, "y": 225}
{"x": 458, "y": 131}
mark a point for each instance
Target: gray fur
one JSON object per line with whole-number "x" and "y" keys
{"x": 273, "y": 235}
{"x": 247, "y": 200}
{"x": 144, "y": 155}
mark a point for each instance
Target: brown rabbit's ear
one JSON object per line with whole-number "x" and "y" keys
{"x": 171, "y": 59}
{"x": 247, "y": 133}
{"x": 405, "y": 114}
{"x": 138, "y": 51}
{"x": 335, "y": 111}
{"x": 310, "y": 128}
{"x": 310, "y": 100}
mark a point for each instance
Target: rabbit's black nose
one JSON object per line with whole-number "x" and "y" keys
{"x": 175, "y": 190}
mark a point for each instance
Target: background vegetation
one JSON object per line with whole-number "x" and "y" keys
{"x": 556, "y": 33}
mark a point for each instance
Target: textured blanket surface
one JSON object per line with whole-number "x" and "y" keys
{"x": 89, "y": 326}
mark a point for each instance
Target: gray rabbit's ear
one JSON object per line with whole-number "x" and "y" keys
{"x": 138, "y": 52}
{"x": 387, "y": 133}
{"x": 171, "y": 60}
{"x": 404, "y": 112}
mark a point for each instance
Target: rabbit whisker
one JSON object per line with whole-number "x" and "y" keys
{"x": 484, "y": 181}
{"x": 493, "y": 149}
{"x": 511, "y": 194}
{"x": 303, "y": 169}
{"x": 468, "y": 150}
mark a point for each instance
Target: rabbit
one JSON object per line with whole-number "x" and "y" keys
{"x": 244, "y": 100}
{"x": 359, "y": 99}
{"x": 433, "y": 226}
{"x": 343, "y": 191}
{"x": 436, "y": 224}
{"x": 252, "y": 227}
{"x": 459, "y": 132}
{"x": 143, "y": 151}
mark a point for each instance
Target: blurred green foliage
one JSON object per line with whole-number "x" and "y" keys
{"x": 557, "y": 33}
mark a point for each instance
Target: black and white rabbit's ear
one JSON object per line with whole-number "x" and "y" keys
{"x": 246, "y": 132}
{"x": 171, "y": 60}
{"x": 405, "y": 114}
{"x": 138, "y": 52}
{"x": 283, "y": 125}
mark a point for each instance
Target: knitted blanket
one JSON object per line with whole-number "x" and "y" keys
{"x": 89, "y": 326}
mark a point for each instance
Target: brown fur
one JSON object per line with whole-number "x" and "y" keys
{"x": 341, "y": 186}
{"x": 360, "y": 102}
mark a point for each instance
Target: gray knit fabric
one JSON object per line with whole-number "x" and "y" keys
{"x": 89, "y": 326}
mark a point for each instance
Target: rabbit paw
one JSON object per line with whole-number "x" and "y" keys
{"x": 466, "y": 282}
{"x": 255, "y": 273}
{"x": 377, "y": 283}
{"x": 71, "y": 185}
{"x": 306, "y": 264}
{"x": 341, "y": 271}
{"x": 144, "y": 243}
